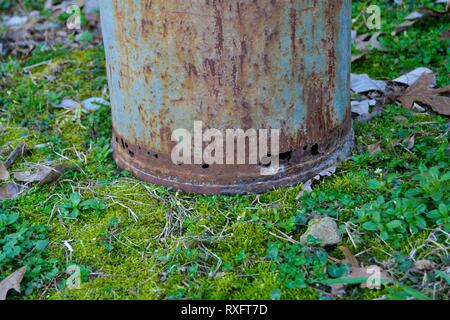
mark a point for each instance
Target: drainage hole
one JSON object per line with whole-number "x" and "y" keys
{"x": 315, "y": 150}
{"x": 205, "y": 166}
{"x": 286, "y": 156}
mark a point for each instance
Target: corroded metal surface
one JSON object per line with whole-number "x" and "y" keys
{"x": 266, "y": 64}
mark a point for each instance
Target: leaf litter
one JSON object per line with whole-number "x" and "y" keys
{"x": 12, "y": 282}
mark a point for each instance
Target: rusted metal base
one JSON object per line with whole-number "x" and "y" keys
{"x": 299, "y": 166}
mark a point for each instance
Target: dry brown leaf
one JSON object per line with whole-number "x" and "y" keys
{"x": 20, "y": 151}
{"x": 308, "y": 185}
{"x": 405, "y": 25}
{"x": 410, "y": 142}
{"x": 9, "y": 191}
{"x": 422, "y": 92}
{"x": 422, "y": 14}
{"x": 43, "y": 175}
{"x": 358, "y": 56}
{"x": 4, "y": 174}
{"x": 12, "y": 282}
{"x": 356, "y": 271}
{"x": 349, "y": 257}
{"x": 374, "y": 148}
{"x": 365, "y": 44}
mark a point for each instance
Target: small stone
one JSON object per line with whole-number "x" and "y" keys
{"x": 325, "y": 229}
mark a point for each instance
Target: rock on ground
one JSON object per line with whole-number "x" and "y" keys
{"x": 325, "y": 229}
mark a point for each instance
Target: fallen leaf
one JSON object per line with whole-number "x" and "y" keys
{"x": 12, "y": 282}
{"x": 420, "y": 15}
{"x": 308, "y": 185}
{"x": 358, "y": 56}
{"x": 326, "y": 173}
{"x": 366, "y": 44}
{"x": 349, "y": 257}
{"x": 414, "y": 16}
{"x": 423, "y": 92}
{"x": 410, "y": 142}
{"x": 9, "y": 191}
{"x": 307, "y": 188}
{"x": 4, "y": 174}
{"x": 362, "y": 107}
{"x": 361, "y": 83}
{"x": 358, "y": 274}
{"x": 19, "y": 151}
{"x": 377, "y": 110}
{"x": 411, "y": 77}
{"x": 404, "y": 25}
{"x": 374, "y": 148}
{"x": 44, "y": 175}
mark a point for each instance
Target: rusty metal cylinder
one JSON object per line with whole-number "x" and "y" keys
{"x": 229, "y": 64}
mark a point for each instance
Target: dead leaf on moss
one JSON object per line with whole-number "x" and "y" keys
{"x": 308, "y": 185}
{"x": 19, "y": 151}
{"x": 44, "y": 175}
{"x": 12, "y": 282}
{"x": 360, "y": 272}
{"x": 9, "y": 191}
{"x": 361, "y": 83}
{"x": 410, "y": 142}
{"x": 422, "y": 92}
{"x": 362, "y": 107}
{"x": 307, "y": 188}
{"x": 374, "y": 148}
{"x": 411, "y": 77}
{"x": 356, "y": 271}
{"x": 366, "y": 43}
{"x": 4, "y": 174}
{"x": 420, "y": 15}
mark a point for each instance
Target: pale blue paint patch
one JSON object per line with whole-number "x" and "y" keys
{"x": 112, "y": 52}
{"x": 157, "y": 95}
{"x": 344, "y": 49}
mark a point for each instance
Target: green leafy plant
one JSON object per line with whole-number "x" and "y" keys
{"x": 24, "y": 245}
{"x": 397, "y": 216}
{"x": 298, "y": 266}
{"x": 72, "y": 207}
